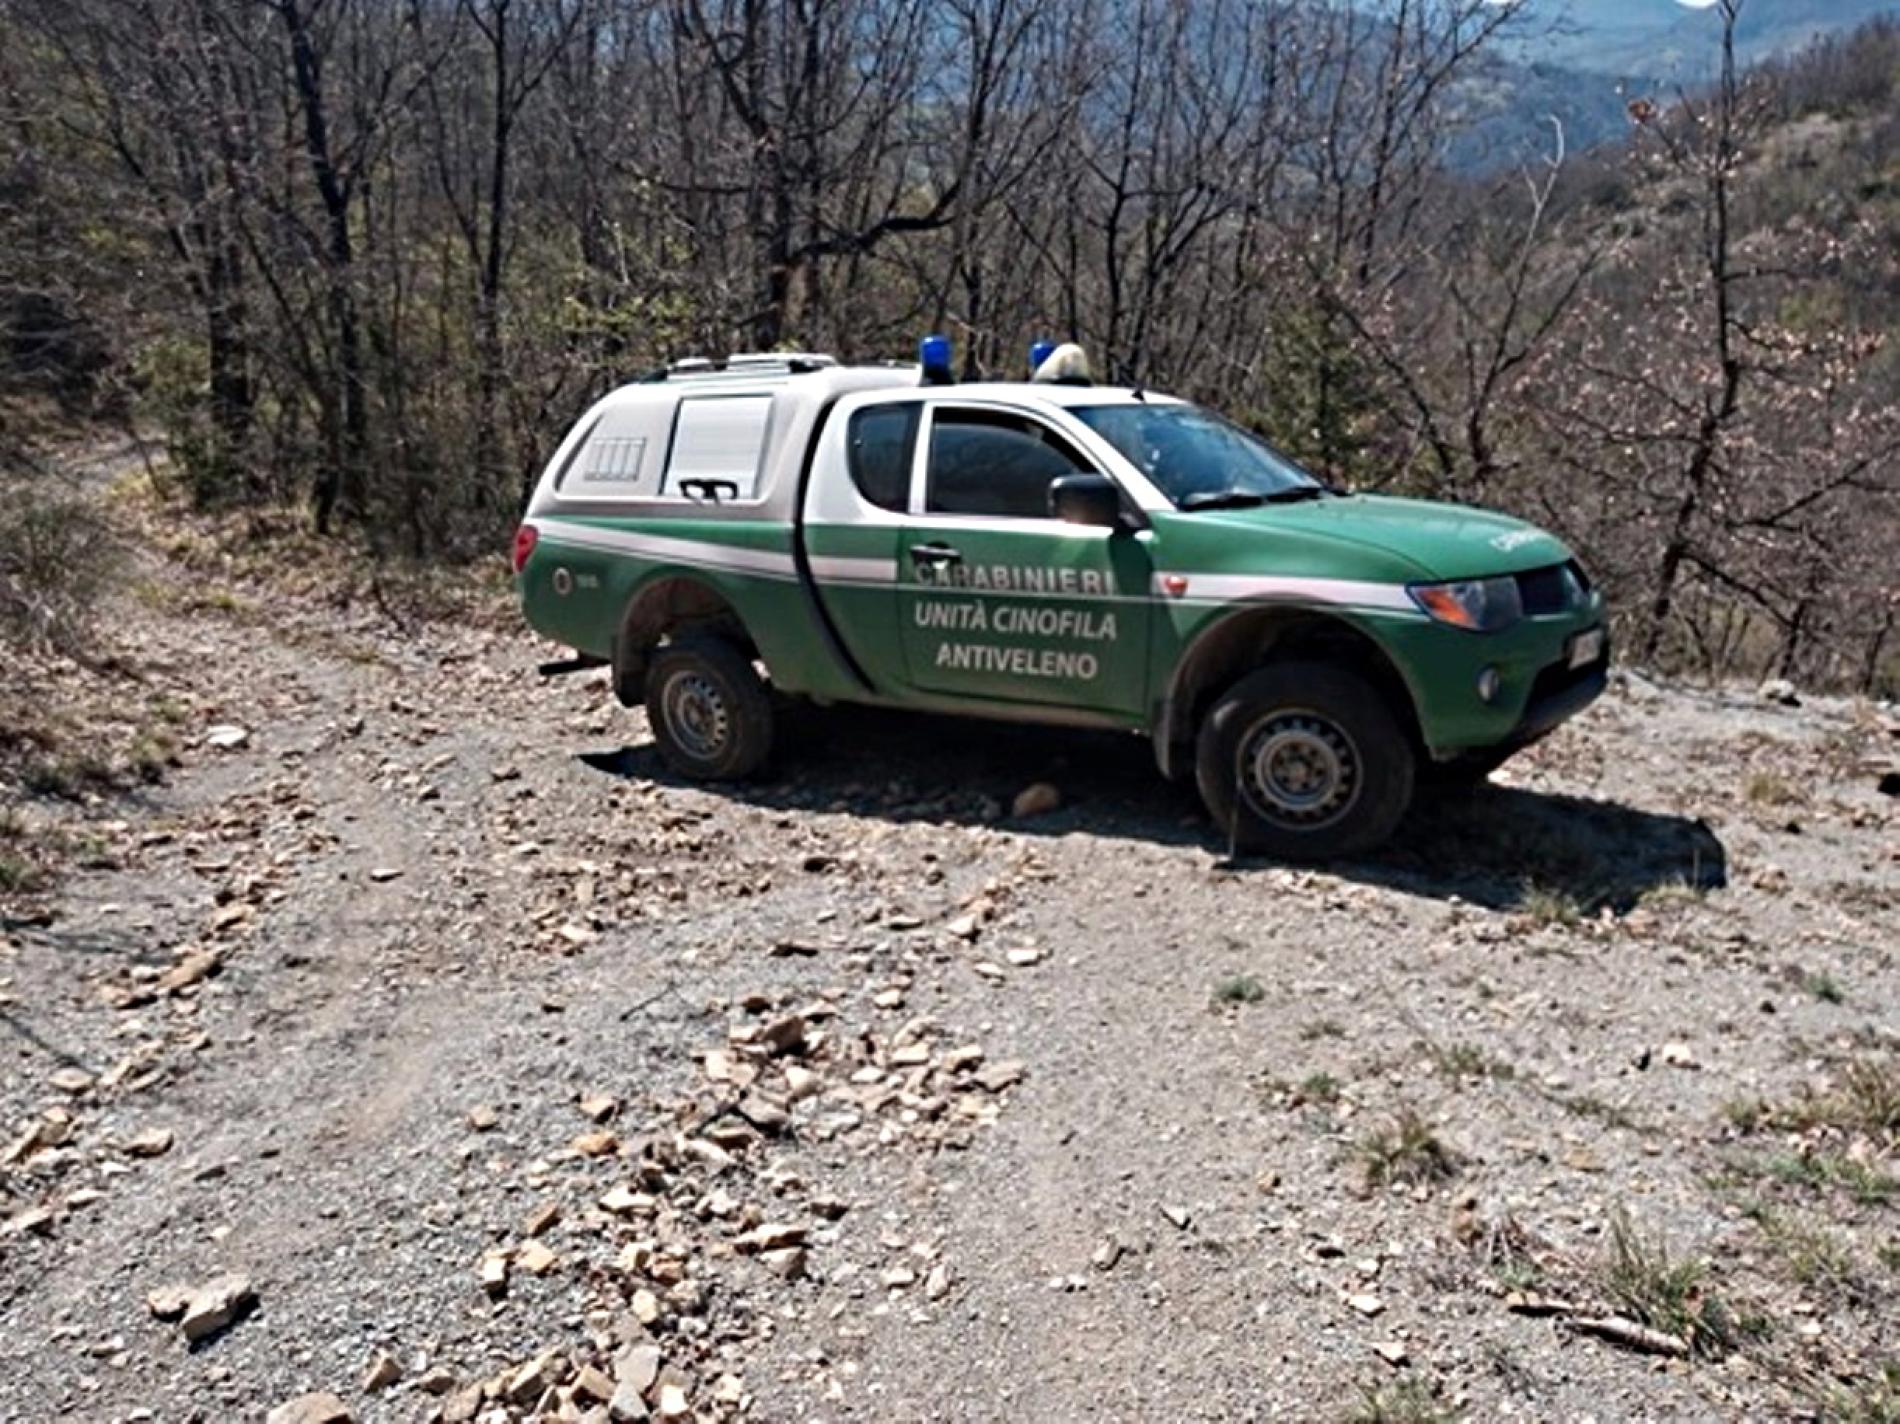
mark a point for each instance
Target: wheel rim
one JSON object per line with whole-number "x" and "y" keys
{"x": 695, "y": 712}
{"x": 1298, "y": 769}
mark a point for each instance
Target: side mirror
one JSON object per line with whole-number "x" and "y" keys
{"x": 1086, "y": 499}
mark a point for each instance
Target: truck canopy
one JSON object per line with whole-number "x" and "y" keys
{"x": 729, "y": 439}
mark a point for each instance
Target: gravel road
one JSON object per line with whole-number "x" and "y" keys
{"x": 852, "y": 1096}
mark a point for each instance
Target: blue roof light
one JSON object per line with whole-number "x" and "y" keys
{"x": 1038, "y": 353}
{"x": 933, "y": 354}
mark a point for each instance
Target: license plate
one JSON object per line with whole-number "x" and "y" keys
{"x": 1586, "y": 647}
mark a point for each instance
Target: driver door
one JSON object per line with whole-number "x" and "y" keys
{"x": 997, "y": 599}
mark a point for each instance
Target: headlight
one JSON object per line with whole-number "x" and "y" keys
{"x": 1482, "y": 605}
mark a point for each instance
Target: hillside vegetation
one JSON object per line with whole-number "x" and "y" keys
{"x": 368, "y": 261}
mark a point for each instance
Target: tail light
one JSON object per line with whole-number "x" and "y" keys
{"x": 525, "y": 537}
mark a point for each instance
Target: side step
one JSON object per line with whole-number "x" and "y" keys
{"x": 580, "y": 662}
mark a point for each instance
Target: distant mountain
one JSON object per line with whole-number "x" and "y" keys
{"x": 1580, "y": 62}
{"x": 1660, "y": 40}
{"x": 1512, "y": 110}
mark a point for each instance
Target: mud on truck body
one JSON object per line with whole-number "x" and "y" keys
{"x": 1048, "y": 551}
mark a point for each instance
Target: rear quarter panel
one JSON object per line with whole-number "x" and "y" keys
{"x": 586, "y": 571}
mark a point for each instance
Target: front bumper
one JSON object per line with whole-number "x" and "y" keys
{"x": 1537, "y": 689}
{"x": 1559, "y": 693}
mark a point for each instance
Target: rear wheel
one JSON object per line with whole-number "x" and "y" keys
{"x": 711, "y": 716}
{"x": 1304, "y": 761}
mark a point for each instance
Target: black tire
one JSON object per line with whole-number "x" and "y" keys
{"x": 710, "y": 712}
{"x": 1339, "y": 779}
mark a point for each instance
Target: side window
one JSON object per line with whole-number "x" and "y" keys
{"x": 880, "y": 439}
{"x": 620, "y": 457}
{"x": 988, "y": 462}
{"x": 717, "y": 441}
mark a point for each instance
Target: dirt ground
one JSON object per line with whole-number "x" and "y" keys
{"x": 851, "y": 1096}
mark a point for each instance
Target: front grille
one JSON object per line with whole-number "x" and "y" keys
{"x": 1554, "y": 589}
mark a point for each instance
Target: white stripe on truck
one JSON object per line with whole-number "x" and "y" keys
{"x": 1268, "y": 588}
{"x": 840, "y": 568}
{"x": 765, "y": 562}
{"x": 1215, "y": 589}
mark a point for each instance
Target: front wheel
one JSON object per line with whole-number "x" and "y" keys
{"x": 711, "y": 717}
{"x": 1304, "y": 761}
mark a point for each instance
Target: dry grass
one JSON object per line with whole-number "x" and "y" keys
{"x": 1831, "y": 1171}
{"x": 1319, "y": 1088}
{"x": 1550, "y": 907}
{"x": 1862, "y": 1100}
{"x": 1512, "y": 1253}
{"x": 1466, "y": 1061}
{"x": 1640, "y": 1277}
{"x": 57, "y": 560}
{"x": 1813, "y": 1256}
{"x": 1866, "y": 1099}
{"x": 1769, "y": 790}
{"x": 1239, "y": 989}
{"x": 1404, "y": 1401}
{"x": 1589, "y": 1105}
{"x": 1823, "y": 986}
{"x": 1407, "y": 1152}
{"x": 1671, "y": 895}
{"x": 24, "y": 855}
{"x": 18, "y": 875}
{"x": 1849, "y": 1129}
{"x": 1873, "y": 1400}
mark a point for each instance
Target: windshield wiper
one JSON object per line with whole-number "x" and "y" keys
{"x": 1222, "y": 499}
{"x": 1250, "y": 499}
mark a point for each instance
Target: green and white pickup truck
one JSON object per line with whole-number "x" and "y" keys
{"x": 1048, "y": 551}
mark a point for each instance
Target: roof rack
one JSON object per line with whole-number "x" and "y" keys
{"x": 745, "y": 364}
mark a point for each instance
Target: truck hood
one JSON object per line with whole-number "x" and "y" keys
{"x": 1439, "y": 541}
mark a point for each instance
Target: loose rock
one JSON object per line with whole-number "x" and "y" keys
{"x": 35, "y": 1219}
{"x": 494, "y": 1272}
{"x": 599, "y": 1106}
{"x": 534, "y": 1379}
{"x": 72, "y": 1081}
{"x": 637, "y": 1367}
{"x": 1037, "y": 799}
{"x": 153, "y": 1142}
{"x": 998, "y": 1076}
{"x": 192, "y": 969}
{"x": 782, "y": 1036}
{"x": 168, "y": 1302}
{"x": 319, "y": 1408}
{"x": 383, "y": 1371}
{"x": 217, "y": 1305}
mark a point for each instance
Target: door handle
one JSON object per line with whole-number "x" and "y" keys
{"x": 935, "y": 554}
{"x": 710, "y": 489}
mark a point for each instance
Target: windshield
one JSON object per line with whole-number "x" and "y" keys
{"x": 1196, "y": 458}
